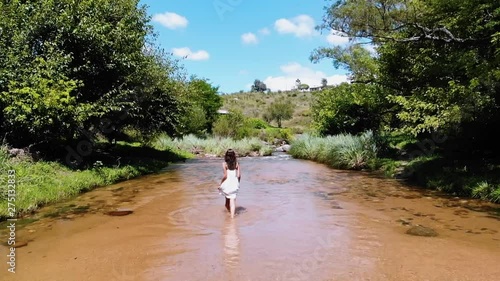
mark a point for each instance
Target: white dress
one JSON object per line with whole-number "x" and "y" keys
{"x": 231, "y": 185}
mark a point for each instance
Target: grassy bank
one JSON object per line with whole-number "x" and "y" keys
{"x": 459, "y": 177}
{"x": 394, "y": 157}
{"x": 464, "y": 178}
{"x": 454, "y": 170}
{"x": 341, "y": 151}
{"x": 39, "y": 183}
{"x": 214, "y": 146}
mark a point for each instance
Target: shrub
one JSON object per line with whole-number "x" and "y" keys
{"x": 342, "y": 151}
{"x": 271, "y": 135}
{"x": 215, "y": 146}
{"x": 257, "y": 123}
{"x": 234, "y": 125}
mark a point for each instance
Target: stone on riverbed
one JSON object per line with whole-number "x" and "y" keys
{"x": 120, "y": 213}
{"x": 283, "y": 148}
{"x": 18, "y": 244}
{"x": 419, "y": 230}
{"x": 403, "y": 221}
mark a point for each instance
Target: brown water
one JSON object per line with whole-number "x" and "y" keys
{"x": 296, "y": 220}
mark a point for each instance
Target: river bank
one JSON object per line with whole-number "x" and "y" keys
{"x": 417, "y": 164}
{"x": 39, "y": 183}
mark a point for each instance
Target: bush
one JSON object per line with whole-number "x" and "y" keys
{"x": 348, "y": 108}
{"x": 257, "y": 123}
{"x": 271, "y": 135}
{"x": 234, "y": 125}
{"x": 342, "y": 151}
{"x": 215, "y": 146}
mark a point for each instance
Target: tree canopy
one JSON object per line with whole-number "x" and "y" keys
{"x": 259, "y": 86}
{"x": 278, "y": 111}
{"x": 437, "y": 62}
{"x": 73, "y": 69}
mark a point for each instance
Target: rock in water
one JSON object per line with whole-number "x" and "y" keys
{"x": 419, "y": 230}
{"x": 20, "y": 244}
{"x": 120, "y": 213}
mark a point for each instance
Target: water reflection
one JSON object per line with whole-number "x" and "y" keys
{"x": 231, "y": 243}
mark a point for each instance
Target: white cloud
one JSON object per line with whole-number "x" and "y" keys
{"x": 249, "y": 38}
{"x": 170, "y": 20}
{"x": 294, "y": 71}
{"x": 265, "y": 31}
{"x": 337, "y": 38}
{"x": 190, "y": 55}
{"x": 300, "y": 26}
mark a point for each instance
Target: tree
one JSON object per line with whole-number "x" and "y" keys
{"x": 279, "y": 110}
{"x": 362, "y": 66}
{"x": 258, "y": 86}
{"x": 324, "y": 82}
{"x": 349, "y": 108}
{"x": 207, "y": 97}
{"x": 297, "y": 83}
{"x": 303, "y": 87}
{"x": 200, "y": 102}
{"x": 230, "y": 125}
{"x": 437, "y": 60}
{"x": 67, "y": 65}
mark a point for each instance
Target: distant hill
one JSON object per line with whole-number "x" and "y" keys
{"x": 254, "y": 104}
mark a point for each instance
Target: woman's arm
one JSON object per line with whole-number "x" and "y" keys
{"x": 225, "y": 173}
{"x": 239, "y": 172}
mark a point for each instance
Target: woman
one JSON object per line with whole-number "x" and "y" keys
{"x": 230, "y": 183}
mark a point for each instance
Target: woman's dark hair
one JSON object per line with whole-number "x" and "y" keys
{"x": 230, "y": 159}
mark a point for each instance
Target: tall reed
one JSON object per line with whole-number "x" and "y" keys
{"x": 343, "y": 151}
{"x": 215, "y": 146}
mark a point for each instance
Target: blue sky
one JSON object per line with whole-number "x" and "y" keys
{"x": 234, "y": 42}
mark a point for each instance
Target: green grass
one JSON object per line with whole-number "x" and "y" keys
{"x": 214, "y": 146}
{"x": 455, "y": 174}
{"x": 342, "y": 151}
{"x": 40, "y": 183}
{"x": 464, "y": 178}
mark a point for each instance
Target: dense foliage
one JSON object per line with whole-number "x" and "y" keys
{"x": 200, "y": 102}
{"x": 259, "y": 86}
{"x": 73, "y": 70}
{"x": 278, "y": 111}
{"x": 342, "y": 151}
{"x": 438, "y": 62}
{"x": 432, "y": 68}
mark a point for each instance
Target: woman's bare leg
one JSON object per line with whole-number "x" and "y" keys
{"x": 233, "y": 206}
{"x": 227, "y": 205}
